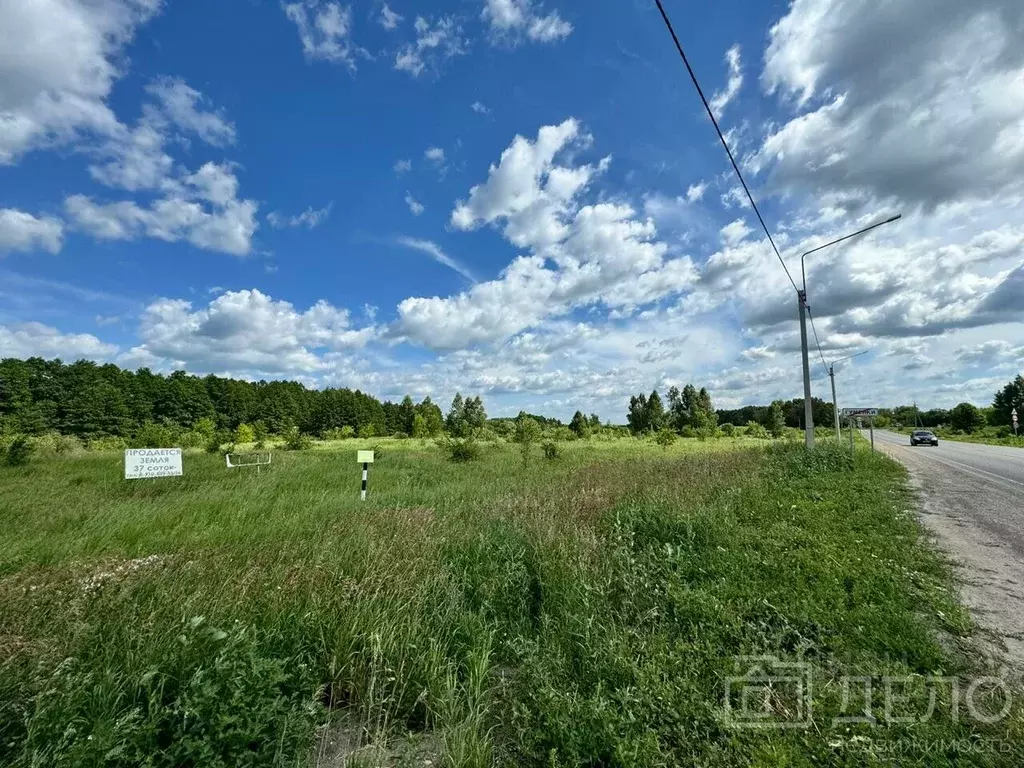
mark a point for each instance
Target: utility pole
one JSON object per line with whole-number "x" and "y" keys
{"x": 832, "y": 376}
{"x": 808, "y": 405}
{"x": 802, "y": 300}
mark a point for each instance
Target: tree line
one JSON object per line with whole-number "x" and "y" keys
{"x": 92, "y": 401}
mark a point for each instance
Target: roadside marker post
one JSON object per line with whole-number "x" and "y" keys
{"x": 366, "y": 459}
{"x": 857, "y": 413}
{"x": 1013, "y": 415}
{"x": 871, "y": 428}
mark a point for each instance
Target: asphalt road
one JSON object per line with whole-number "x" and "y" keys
{"x": 973, "y": 500}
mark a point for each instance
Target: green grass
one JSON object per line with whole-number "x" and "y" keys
{"x": 584, "y": 611}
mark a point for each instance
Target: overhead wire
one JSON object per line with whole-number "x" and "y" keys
{"x": 816, "y": 342}
{"x": 721, "y": 136}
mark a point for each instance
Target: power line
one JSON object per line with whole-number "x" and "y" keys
{"x": 816, "y": 342}
{"x": 721, "y": 136}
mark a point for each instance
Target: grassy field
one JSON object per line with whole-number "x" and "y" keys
{"x": 583, "y": 611}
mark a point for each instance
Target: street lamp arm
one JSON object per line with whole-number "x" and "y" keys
{"x": 849, "y": 357}
{"x": 876, "y": 225}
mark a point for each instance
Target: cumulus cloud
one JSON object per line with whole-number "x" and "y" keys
{"x": 20, "y": 231}
{"x": 37, "y": 340}
{"x": 202, "y": 211}
{"x": 512, "y": 21}
{"x": 940, "y": 119}
{"x": 246, "y": 330}
{"x": 325, "y": 30}
{"x": 480, "y": 108}
{"x": 579, "y": 254}
{"x": 59, "y": 63}
{"x": 436, "y": 42}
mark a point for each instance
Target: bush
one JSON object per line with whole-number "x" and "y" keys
{"x": 244, "y": 433}
{"x": 108, "y": 443}
{"x": 461, "y": 450}
{"x": 688, "y": 432}
{"x": 665, "y": 438}
{"x": 728, "y": 430}
{"x": 220, "y": 437}
{"x": 19, "y": 453}
{"x": 56, "y": 444}
{"x": 754, "y": 429}
{"x": 294, "y": 440}
{"x": 550, "y": 450}
{"x": 367, "y": 430}
{"x": 151, "y": 435}
{"x": 335, "y": 433}
{"x": 378, "y": 452}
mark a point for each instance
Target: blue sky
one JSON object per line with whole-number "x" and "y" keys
{"x": 518, "y": 199}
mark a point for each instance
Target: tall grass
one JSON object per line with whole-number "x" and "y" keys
{"x": 582, "y": 611}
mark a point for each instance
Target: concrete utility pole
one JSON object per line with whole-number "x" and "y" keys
{"x": 802, "y": 299}
{"x": 832, "y": 377}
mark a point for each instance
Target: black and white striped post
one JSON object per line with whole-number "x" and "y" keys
{"x": 366, "y": 459}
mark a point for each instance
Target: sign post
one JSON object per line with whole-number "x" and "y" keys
{"x": 366, "y": 459}
{"x": 141, "y": 463}
{"x": 1013, "y": 415}
{"x": 871, "y": 428}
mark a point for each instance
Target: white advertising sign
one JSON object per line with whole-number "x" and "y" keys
{"x": 152, "y": 462}
{"x": 364, "y": 457}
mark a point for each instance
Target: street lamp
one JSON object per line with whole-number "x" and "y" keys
{"x": 802, "y": 299}
{"x": 832, "y": 376}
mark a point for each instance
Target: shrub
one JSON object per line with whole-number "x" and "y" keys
{"x": 19, "y": 453}
{"x": 244, "y": 433}
{"x": 56, "y": 444}
{"x": 220, "y": 437}
{"x": 550, "y": 450}
{"x": 108, "y": 443}
{"x": 461, "y": 450}
{"x": 688, "y": 432}
{"x": 367, "y": 430}
{"x": 665, "y": 438}
{"x": 754, "y": 429}
{"x": 151, "y": 435}
{"x": 347, "y": 432}
{"x": 335, "y": 433}
{"x": 728, "y": 430}
{"x": 294, "y": 440}
{"x": 193, "y": 439}
{"x": 378, "y": 452}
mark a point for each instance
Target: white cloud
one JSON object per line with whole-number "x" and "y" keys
{"x": 434, "y": 251}
{"x": 415, "y": 207}
{"x": 20, "y": 231}
{"x": 601, "y": 253}
{"x": 435, "y": 155}
{"x": 938, "y": 120}
{"x": 184, "y": 108}
{"x": 435, "y": 43}
{"x": 309, "y": 218}
{"x": 225, "y": 225}
{"x": 324, "y": 29}
{"x": 723, "y": 98}
{"x": 388, "y": 18}
{"x": 695, "y": 192}
{"x": 37, "y": 340}
{"x": 246, "y": 330}
{"x": 58, "y": 63}
{"x": 480, "y": 108}
{"x": 514, "y": 20}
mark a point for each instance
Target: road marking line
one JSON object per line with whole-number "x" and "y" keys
{"x": 948, "y": 462}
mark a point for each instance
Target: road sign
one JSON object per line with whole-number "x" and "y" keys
{"x": 860, "y": 411}
{"x": 152, "y": 462}
{"x": 364, "y": 457}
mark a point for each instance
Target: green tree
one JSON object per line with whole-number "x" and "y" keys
{"x": 637, "y": 415}
{"x": 655, "y": 412}
{"x": 665, "y": 437}
{"x": 455, "y": 422}
{"x": 579, "y": 424}
{"x": 432, "y": 417}
{"x": 406, "y": 414}
{"x": 419, "y": 426}
{"x": 527, "y": 433}
{"x": 776, "y": 419}
{"x": 474, "y": 414}
{"x": 1006, "y": 400}
{"x": 966, "y": 418}
{"x": 244, "y": 433}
